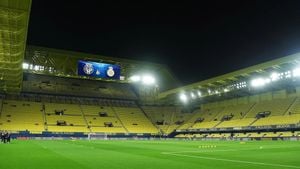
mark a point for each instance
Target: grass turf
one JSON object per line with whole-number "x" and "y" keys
{"x": 67, "y": 154}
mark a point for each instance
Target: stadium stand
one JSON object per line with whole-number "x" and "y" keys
{"x": 275, "y": 120}
{"x": 167, "y": 118}
{"x": 276, "y": 107}
{"x": 102, "y": 119}
{"x": 42, "y": 92}
{"x": 134, "y": 120}
{"x": 236, "y": 123}
{"x": 236, "y": 111}
{"x": 244, "y": 115}
{"x": 20, "y": 116}
{"x": 238, "y": 135}
{"x": 72, "y": 86}
{"x": 206, "y": 116}
{"x": 64, "y": 117}
{"x": 37, "y": 117}
{"x": 295, "y": 107}
{"x": 205, "y": 125}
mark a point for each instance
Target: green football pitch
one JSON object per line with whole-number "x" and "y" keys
{"x": 67, "y": 154}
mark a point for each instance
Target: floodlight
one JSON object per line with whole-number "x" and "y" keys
{"x": 183, "y": 97}
{"x": 193, "y": 95}
{"x": 267, "y": 80}
{"x": 36, "y": 67}
{"x": 274, "y": 76}
{"x": 148, "y": 80}
{"x": 209, "y": 91}
{"x": 288, "y": 74}
{"x": 226, "y": 90}
{"x": 25, "y": 65}
{"x": 260, "y": 82}
{"x": 296, "y": 72}
{"x": 135, "y": 78}
{"x": 199, "y": 93}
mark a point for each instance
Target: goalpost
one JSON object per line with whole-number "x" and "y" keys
{"x": 97, "y": 136}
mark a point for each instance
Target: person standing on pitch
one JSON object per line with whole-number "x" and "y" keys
{"x": 5, "y": 137}
{"x": 8, "y": 137}
{"x": 2, "y": 137}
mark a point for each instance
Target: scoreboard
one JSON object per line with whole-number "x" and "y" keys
{"x": 98, "y": 70}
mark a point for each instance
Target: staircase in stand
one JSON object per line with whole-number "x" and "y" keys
{"x": 217, "y": 124}
{"x": 249, "y": 110}
{"x": 189, "y": 121}
{"x": 43, "y": 111}
{"x": 290, "y": 106}
{"x": 83, "y": 116}
{"x": 149, "y": 118}
{"x": 117, "y": 116}
{"x": 253, "y": 121}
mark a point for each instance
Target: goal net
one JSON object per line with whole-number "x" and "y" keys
{"x": 97, "y": 136}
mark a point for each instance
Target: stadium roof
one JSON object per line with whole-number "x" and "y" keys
{"x": 277, "y": 65}
{"x": 64, "y": 64}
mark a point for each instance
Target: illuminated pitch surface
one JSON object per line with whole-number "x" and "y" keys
{"x": 149, "y": 155}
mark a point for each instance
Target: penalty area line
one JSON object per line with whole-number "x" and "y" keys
{"x": 233, "y": 161}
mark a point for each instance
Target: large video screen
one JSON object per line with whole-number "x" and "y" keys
{"x": 98, "y": 70}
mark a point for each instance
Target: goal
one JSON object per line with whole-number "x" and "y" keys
{"x": 97, "y": 136}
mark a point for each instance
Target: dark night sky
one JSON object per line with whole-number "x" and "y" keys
{"x": 197, "y": 41}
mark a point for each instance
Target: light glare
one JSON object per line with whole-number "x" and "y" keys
{"x": 25, "y": 65}
{"x": 36, "y": 67}
{"x": 296, "y": 72}
{"x": 183, "y": 97}
{"x": 199, "y": 93}
{"x": 193, "y": 95}
{"x": 274, "y": 76}
{"x": 260, "y": 82}
{"x": 135, "y": 78}
{"x": 148, "y": 80}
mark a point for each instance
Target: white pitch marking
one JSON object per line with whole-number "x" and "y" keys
{"x": 203, "y": 151}
{"x": 207, "y": 151}
{"x": 236, "y": 161}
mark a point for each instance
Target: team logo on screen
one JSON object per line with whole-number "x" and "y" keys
{"x": 110, "y": 71}
{"x": 88, "y": 68}
{"x": 97, "y": 72}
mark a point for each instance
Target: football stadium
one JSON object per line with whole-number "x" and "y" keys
{"x": 63, "y": 109}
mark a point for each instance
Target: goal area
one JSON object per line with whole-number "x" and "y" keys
{"x": 97, "y": 136}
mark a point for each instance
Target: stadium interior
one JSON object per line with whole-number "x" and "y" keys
{"x": 43, "y": 95}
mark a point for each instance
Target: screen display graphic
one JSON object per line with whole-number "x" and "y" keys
{"x": 98, "y": 70}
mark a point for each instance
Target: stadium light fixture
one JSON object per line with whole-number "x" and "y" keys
{"x": 25, "y": 66}
{"x": 226, "y": 90}
{"x": 199, "y": 93}
{"x": 193, "y": 95}
{"x": 274, "y": 76}
{"x": 148, "y": 80}
{"x": 296, "y": 72}
{"x": 209, "y": 91}
{"x": 135, "y": 78}
{"x": 260, "y": 82}
{"x": 183, "y": 98}
{"x": 267, "y": 80}
{"x": 288, "y": 74}
{"x": 36, "y": 67}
